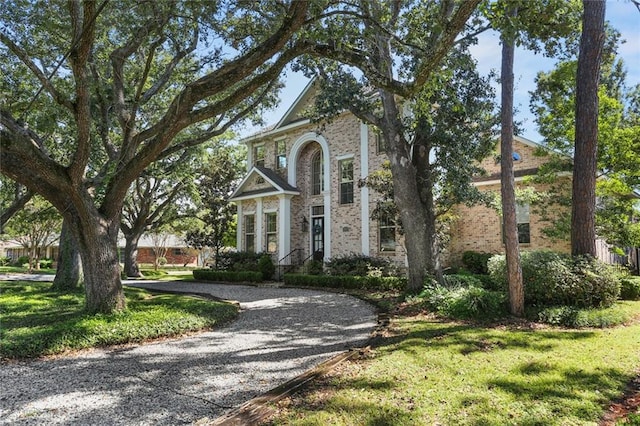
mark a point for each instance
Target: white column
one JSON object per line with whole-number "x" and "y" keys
{"x": 259, "y": 226}
{"x": 239, "y": 221}
{"x": 284, "y": 226}
{"x": 364, "y": 190}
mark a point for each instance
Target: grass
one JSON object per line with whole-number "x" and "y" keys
{"x": 428, "y": 371}
{"x": 37, "y": 321}
{"x": 21, "y": 269}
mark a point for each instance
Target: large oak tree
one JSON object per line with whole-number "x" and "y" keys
{"x": 124, "y": 95}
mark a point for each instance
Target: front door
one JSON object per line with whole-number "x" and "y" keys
{"x": 317, "y": 237}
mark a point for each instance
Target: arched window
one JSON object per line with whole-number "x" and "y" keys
{"x": 317, "y": 174}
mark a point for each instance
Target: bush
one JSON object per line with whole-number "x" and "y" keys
{"x": 345, "y": 282}
{"x": 476, "y": 262}
{"x": 313, "y": 267}
{"x": 266, "y": 267}
{"x": 46, "y": 263}
{"x": 21, "y": 261}
{"x": 556, "y": 279}
{"x": 570, "y": 316}
{"x": 361, "y": 265}
{"x": 229, "y": 276}
{"x": 465, "y": 302}
{"x": 5, "y": 261}
{"x": 461, "y": 280}
{"x": 238, "y": 261}
{"x": 161, "y": 261}
{"x": 630, "y": 288}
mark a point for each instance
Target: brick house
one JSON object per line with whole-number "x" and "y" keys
{"x": 479, "y": 228}
{"x": 300, "y": 197}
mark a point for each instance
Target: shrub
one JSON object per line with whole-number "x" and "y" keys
{"x": 570, "y": 316}
{"x": 460, "y": 280}
{"x": 361, "y": 265}
{"x": 21, "y": 261}
{"x": 345, "y": 282}
{"x": 476, "y": 262}
{"x": 238, "y": 261}
{"x": 46, "y": 263}
{"x": 313, "y": 267}
{"x": 630, "y": 288}
{"x": 465, "y": 302}
{"x": 5, "y": 261}
{"x": 161, "y": 261}
{"x": 229, "y": 276}
{"x": 266, "y": 267}
{"x": 556, "y": 279}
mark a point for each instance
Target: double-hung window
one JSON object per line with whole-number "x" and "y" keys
{"x": 522, "y": 218}
{"x": 258, "y": 155}
{"x": 387, "y": 234}
{"x": 345, "y": 168}
{"x": 271, "y": 220}
{"x": 281, "y": 155}
{"x": 250, "y": 233}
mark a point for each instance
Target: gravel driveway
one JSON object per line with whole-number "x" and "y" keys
{"x": 279, "y": 334}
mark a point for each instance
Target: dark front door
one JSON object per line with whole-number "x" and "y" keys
{"x": 317, "y": 238}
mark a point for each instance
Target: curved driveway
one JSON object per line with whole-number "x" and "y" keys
{"x": 280, "y": 333}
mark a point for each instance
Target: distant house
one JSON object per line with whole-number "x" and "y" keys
{"x": 175, "y": 251}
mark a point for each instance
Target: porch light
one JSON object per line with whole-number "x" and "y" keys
{"x": 305, "y": 224}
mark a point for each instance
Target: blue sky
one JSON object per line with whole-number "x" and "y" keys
{"x": 622, "y": 14}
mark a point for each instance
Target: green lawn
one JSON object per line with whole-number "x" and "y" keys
{"x": 431, "y": 372}
{"x": 36, "y": 321}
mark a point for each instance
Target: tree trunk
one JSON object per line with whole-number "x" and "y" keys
{"x": 420, "y": 233}
{"x": 69, "y": 270}
{"x": 97, "y": 239}
{"x": 507, "y": 186}
{"x": 583, "y": 230}
{"x": 131, "y": 267}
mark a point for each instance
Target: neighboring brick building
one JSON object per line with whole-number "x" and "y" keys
{"x": 479, "y": 228}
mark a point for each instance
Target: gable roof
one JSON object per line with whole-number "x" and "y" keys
{"x": 275, "y": 185}
{"x": 293, "y": 117}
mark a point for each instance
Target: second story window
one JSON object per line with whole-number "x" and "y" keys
{"x": 317, "y": 174}
{"x": 258, "y": 155}
{"x": 345, "y": 168}
{"x": 281, "y": 155}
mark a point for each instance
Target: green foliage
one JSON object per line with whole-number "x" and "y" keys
{"x": 360, "y": 265}
{"x": 46, "y": 263}
{"x": 227, "y": 276}
{"x": 5, "y": 261}
{"x": 470, "y": 302}
{"x": 556, "y": 279}
{"x": 630, "y": 288}
{"x": 461, "y": 280}
{"x": 350, "y": 282}
{"x": 314, "y": 267}
{"x": 476, "y": 262}
{"x": 569, "y": 316}
{"x": 266, "y": 267}
{"x": 21, "y": 261}
{"x": 238, "y": 261}
{"x": 37, "y": 321}
{"x": 149, "y": 273}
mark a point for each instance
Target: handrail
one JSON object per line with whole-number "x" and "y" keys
{"x": 288, "y": 261}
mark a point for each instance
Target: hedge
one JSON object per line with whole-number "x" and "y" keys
{"x": 345, "y": 282}
{"x": 229, "y": 276}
